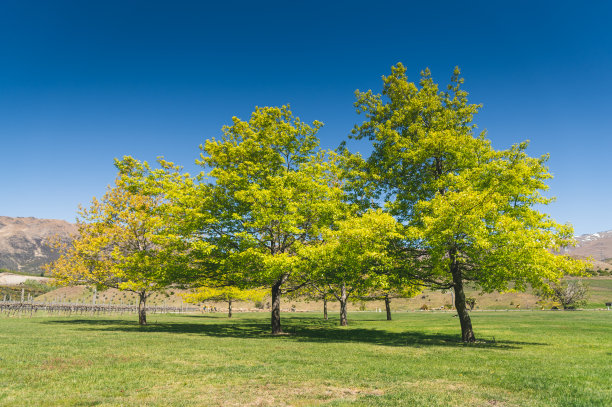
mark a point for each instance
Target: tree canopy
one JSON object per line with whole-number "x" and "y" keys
{"x": 273, "y": 189}
{"x": 469, "y": 210}
{"x": 131, "y": 239}
{"x": 433, "y": 205}
{"x": 352, "y": 256}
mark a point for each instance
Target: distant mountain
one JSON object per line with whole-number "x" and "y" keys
{"x": 597, "y": 246}
{"x": 23, "y": 242}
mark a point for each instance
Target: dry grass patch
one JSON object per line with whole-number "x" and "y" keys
{"x": 60, "y": 364}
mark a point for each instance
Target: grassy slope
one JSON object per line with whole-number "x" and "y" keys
{"x": 538, "y": 359}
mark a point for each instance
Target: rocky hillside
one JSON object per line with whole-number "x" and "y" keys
{"x": 23, "y": 245}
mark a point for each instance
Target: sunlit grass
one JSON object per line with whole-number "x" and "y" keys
{"x": 523, "y": 359}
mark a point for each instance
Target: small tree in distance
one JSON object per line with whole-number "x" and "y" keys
{"x": 571, "y": 294}
{"x": 386, "y": 293}
{"x": 225, "y": 294}
{"x": 314, "y": 292}
{"x": 351, "y": 256}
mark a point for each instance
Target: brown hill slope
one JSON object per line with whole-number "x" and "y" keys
{"x": 596, "y": 245}
{"x": 23, "y": 242}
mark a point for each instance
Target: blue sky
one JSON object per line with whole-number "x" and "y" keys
{"x": 84, "y": 82}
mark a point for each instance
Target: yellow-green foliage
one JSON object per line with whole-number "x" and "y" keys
{"x": 274, "y": 188}
{"x": 353, "y": 253}
{"x": 224, "y": 294}
{"x": 133, "y": 238}
{"x": 463, "y": 203}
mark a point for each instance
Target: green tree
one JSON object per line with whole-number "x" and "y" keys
{"x": 273, "y": 189}
{"x": 133, "y": 239}
{"x": 571, "y": 294}
{"x": 390, "y": 285}
{"x": 468, "y": 209}
{"x": 312, "y": 291}
{"x": 226, "y": 294}
{"x": 351, "y": 256}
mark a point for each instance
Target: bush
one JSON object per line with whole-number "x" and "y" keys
{"x": 36, "y": 286}
{"x": 570, "y": 294}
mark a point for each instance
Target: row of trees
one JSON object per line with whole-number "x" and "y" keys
{"x": 433, "y": 206}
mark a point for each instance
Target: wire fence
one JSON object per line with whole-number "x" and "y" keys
{"x": 30, "y": 308}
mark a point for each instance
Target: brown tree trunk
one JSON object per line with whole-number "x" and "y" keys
{"x": 325, "y": 307}
{"x": 275, "y": 317}
{"x": 229, "y": 308}
{"x": 343, "y": 299}
{"x": 388, "y": 306}
{"x": 142, "y": 308}
{"x": 467, "y": 334}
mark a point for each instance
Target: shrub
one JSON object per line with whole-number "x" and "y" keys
{"x": 570, "y": 294}
{"x": 36, "y": 286}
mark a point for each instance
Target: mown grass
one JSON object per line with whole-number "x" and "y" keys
{"x": 528, "y": 358}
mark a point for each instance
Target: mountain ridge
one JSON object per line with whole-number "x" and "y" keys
{"x": 23, "y": 242}
{"x": 597, "y": 246}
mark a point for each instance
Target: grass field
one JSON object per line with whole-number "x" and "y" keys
{"x": 526, "y": 358}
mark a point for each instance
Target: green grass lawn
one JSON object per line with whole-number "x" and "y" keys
{"x": 528, "y": 358}
{"x": 600, "y": 291}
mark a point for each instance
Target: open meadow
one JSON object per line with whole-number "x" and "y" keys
{"x": 522, "y": 358}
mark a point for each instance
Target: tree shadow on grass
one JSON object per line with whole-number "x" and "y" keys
{"x": 300, "y": 329}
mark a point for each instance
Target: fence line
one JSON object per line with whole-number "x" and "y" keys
{"x": 12, "y": 308}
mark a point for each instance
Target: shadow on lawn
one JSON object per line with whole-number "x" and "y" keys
{"x": 297, "y": 329}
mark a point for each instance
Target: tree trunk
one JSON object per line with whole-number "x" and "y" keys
{"x": 467, "y": 334}
{"x": 388, "y": 306}
{"x": 275, "y": 318}
{"x": 229, "y": 308}
{"x": 142, "y": 308}
{"x": 343, "y": 298}
{"x": 325, "y": 307}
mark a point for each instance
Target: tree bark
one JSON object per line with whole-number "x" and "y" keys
{"x": 388, "y": 306}
{"x": 467, "y": 334}
{"x": 325, "y": 307}
{"x": 343, "y": 299}
{"x": 229, "y": 308}
{"x": 275, "y": 317}
{"x": 142, "y": 308}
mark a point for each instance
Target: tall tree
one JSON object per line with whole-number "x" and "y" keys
{"x": 273, "y": 189}
{"x": 132, "y": 239}
{"x": 469, "y": 210}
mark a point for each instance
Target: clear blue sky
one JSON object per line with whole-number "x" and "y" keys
{"x": 82, "y": 82}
